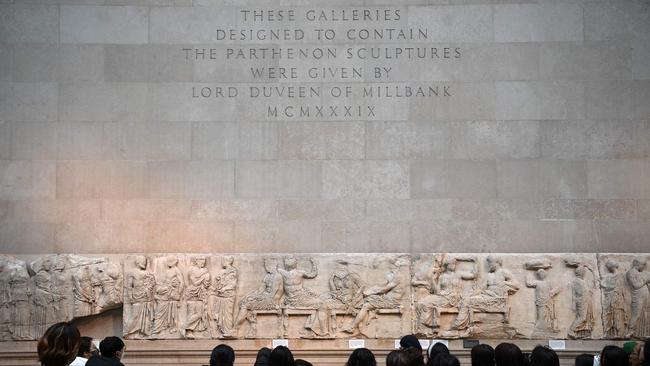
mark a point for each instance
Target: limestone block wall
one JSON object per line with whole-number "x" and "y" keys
{"x": 108, "y": 146}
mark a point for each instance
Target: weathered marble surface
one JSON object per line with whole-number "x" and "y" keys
{"x": 328, "y": 296}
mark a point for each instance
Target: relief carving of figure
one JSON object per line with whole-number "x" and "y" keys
{"x": 638, "y": 280}
{"x": 167, "y": 295}
{"x": 43, "y": 311}
{"x": 545, "y": 319}
{"x": 221, "y": 303}
{"x": 583, "y": 305}
{"x": 61, "y": 288}
{"x": 612, "y": 285}
{"x": 139, "y": 291}
{"x": 386, "y": 296}
{"x": 446, "y": 290}
{"x": 83, "y": 291}
{"x": 196, "y": 295}
{"x": 108, "y": 284}
{"x": 266, "y": 297}
{"x": 297, "y": 296}
{"x": 20, "y": 294}
{"x": 5, "y": 300}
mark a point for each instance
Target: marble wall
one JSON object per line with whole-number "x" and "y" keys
{"x": 113, "y": 138}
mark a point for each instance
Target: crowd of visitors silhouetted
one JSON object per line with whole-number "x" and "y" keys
{"x": 63, "y": 345}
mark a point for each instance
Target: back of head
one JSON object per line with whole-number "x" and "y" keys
{"x": 544, "y": 356}
{"x": 584, "y": 359}
{"x": 84, "y": 346}
{"x": 646, "y": 352}
{"x": 508, "y": 354}
{"x": 262, "y": 358}
{"x": 436, "y": 349}
{"x": 613, "y": 356}
{"x": 361, "y": 357}
{"x": 409, "y": 341}
{"x": 110, "y": 346}
{"x": 415, "y": 356}
{"x": 59, "y": 345}
{"x": 482, "y": 355}
{"x": 222, "y": 355}
{"x": 301, "y": 362}
{"x": 445, "y": 359}
{"x": 281, "y": 356}
{"x": 397, "y": 358}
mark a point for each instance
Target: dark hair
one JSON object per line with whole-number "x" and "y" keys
{"x": 415, "y": 356}
{"x": 584, "y": 359}
{"x": 109, "y": 346}
{"x": 361, "y": 357}
{"x": 646, "y": 352}
{"x": 445, "y": 359}
{"x": 281, "y": 356}
{"x": 544, "y": 356}
{"x": 222, "y": 355}
{"x": 301, "y": 362}
{"x": 410, "y": 341}
{"x": 482, "y": 355}
{"x": 262, "y": 358}
{"x": 397, "y": 358}
{"x": 435, "y": 350}
{"x": 613, "y": 356}
{"x": 84, "y": 346}
{"x": 59, "y": 345}
{"x": 508, "y": 354}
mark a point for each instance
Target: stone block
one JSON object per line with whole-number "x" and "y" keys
{"x": 481, "y": 96}
{"x": 104, "y": 24}
{"x": 234, "y": 210}
{"x": 103, "y": 102}
{"x": 527, "y": 235}
{"x": 80, "y": 140}
{"x": 27, "y": 23}
{"x": 536, "y": 179}
{"x": 147, "y": 141}
{"x": 7, "y": 60}
{"x": 35, "y": 62}
{"x": 453, "y": 179}
{"x": 215, "y": 141}
{"x": 27, "y": 237}
{"x": 643, "y": 207}
{"x": 370, "y": 236}
{"x": 258, "y": 141}
{"x": 365, "y": 179}
{"x": 147, "y": 63}
{"x": 324, "y": 210}
{"x": 407, "y": 140}
{"x": 5, "y": 140}
{"x": 321, "y": 140}
{"x": 168, "y": 236}
{"x": 474, "y": 236}
{"x": 189, "y": 24}
{"x": 640, "y": 56}
{"x": 190, "y": 179}
{"x": 463, "y": 23}
{"x": 585, "y": 61}
{"x": 618, "y": 178}
{"x": 627, "y": 236}
{"x": 34, "y": 141}
{"x": 80, "y": 63}
{"x": 590, "y": 209}
{"x": 278, "y": 179}
{"x": 145, "y": 210}
{"x": 22, "y": 179}
{"x": 278, "y": 236}
{"x": 555, "y": 100}
{"x": 596, "y": 139}
{"x": 100, "y": 179}
{"x": 610, "y": 99}
{"x": 32, "y": 102}
{"x": 54, "y": 211}
{"x": 548, "y": 22}
{"x": 495, "y": 140}
{"x": 620, "y": 20}
{"x": 124, "y": 236}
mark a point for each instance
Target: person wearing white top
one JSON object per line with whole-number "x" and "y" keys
{"x": 86, "y": 350}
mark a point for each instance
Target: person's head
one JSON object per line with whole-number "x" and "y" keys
{"x": 584, "y": 359}
{"x": 301, "y": 362}
{"x": 508, "y": 354}
{"x": 639, "y": 263}
{"x": 493, "y": 263}
{"x": 141, "y": 262}
{"x": 361, "y": 357}
{"x": 611, "y": 265}
{"x": 59, "y": 345}
{"x": 112, "y": 347}
{"x": 482, "y": 355}
{"x": 435, "y": 349}
{"x": 445, "y": 359}
{"x": 263, "y": 355}
{"x": 541, "y": 274}
{"x": 544, "y": 356}
{"x": 410, "y": 341}
{"x": 281, "y": 356}
{"x": 171, "y": 261}
{"x": 580, "y": 271}
{"x": 290, "y": 262}
{"x": 613, "y": 356}
{"x": 199, "y": 261}
{"x": 227, "y": 261}
{"x": 222, "y": 355}
{"x": 397, "y": 358}
{"x": 415, "y": 356}
{"x": 449, "y": 264}
{"x": 86, "y": 347}
{"x": 645, "y": 354}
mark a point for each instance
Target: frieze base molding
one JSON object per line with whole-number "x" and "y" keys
{"x": 333, "y": 296}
